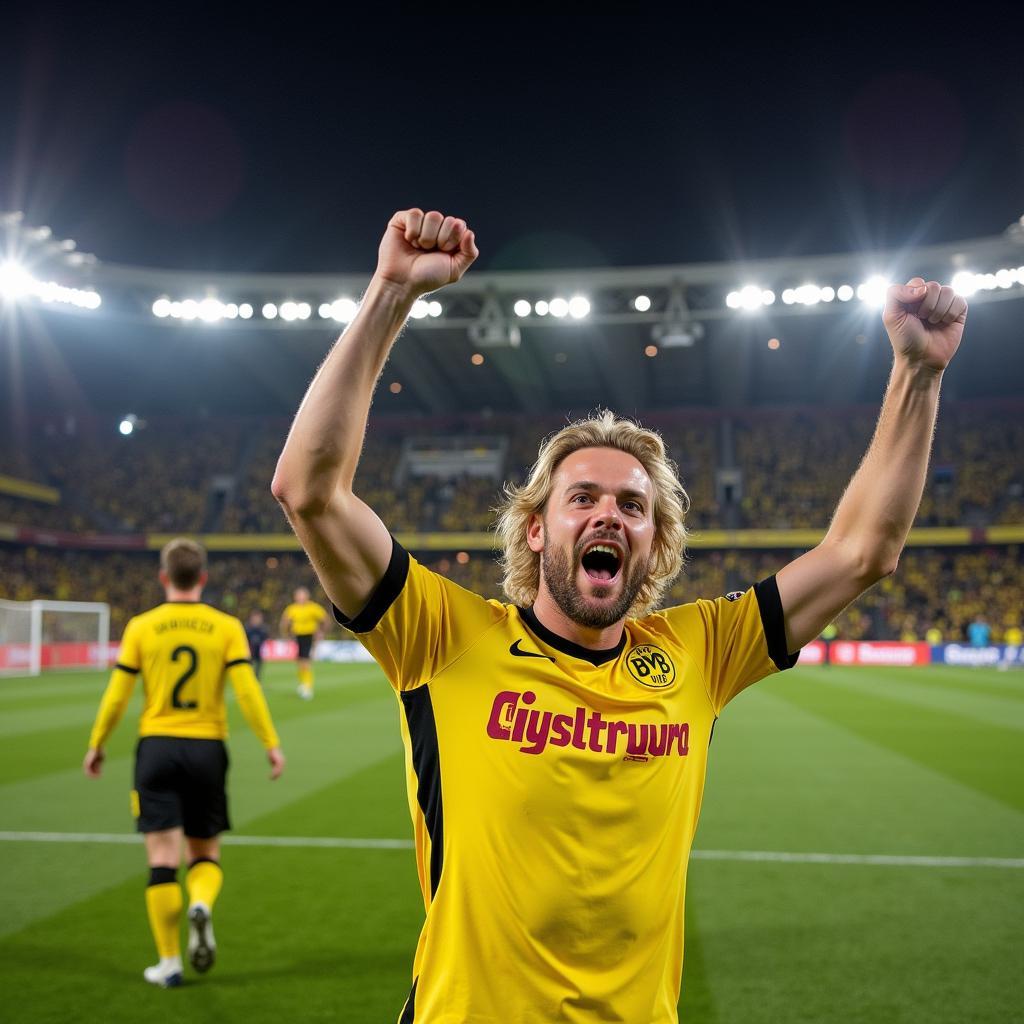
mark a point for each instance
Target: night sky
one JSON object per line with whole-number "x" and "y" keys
{"x": 185, "y": 139}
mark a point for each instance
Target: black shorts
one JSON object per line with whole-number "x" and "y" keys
{"x": 305, "y": 643}
{"x": 181, "y": 782}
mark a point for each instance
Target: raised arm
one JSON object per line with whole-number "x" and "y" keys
{"x": 345, "y": 540}
{"x": 925, "y": 323}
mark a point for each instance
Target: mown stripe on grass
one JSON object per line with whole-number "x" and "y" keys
{"x": 980, "y": 755}
{"x": 696, "y": 998}
{"x": 926, "y": 690}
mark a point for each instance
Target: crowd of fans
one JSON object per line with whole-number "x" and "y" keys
{"x": 788, "y": 469}
{"x": 214, "y": 475}
{"x": 935, "y": 588}
{"x": 796, "y": 464}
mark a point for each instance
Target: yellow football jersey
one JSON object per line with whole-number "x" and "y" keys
{"x": 304, "y": 619}
{"x": 554, "y": 792}
{"x": 184, "y": 650}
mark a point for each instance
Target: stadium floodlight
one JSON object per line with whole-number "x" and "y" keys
{"x": 434, "y": 308}
{"x": 965, "y": 282}
{"x": 1006, "y": 277}
{"x": 642, "y": 303}
{"x": 127, "y": 425}
{"x": 558, "y": 308}
{"x": 844, "y": 293}
{"x": 324, "y": 311}
{"x": 304, "y": 310}
{"x": 752, "y": 296}
{"x": 210, "y": 310}
{"x": 189, "y": 309}
{"x": 827, "y": 293}
{"x": 522, "y": 307}
{"x": 344, "y": 310}
{"x": 39, "y": 234}
{"x": 789, "y": 296}
{"x": 269, "y": 311}
{"x": 872, "y": 291}
{"x": 540, "y": 308}
{"x": 579, "y": 307}
{"x": 419, "y": 310}
{"x": 15, "y": 280}
{"x": 245, "y": 311}
{"x": 231, "y": 311}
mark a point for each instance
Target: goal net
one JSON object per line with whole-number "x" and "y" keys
{"x": 39, "y": 635}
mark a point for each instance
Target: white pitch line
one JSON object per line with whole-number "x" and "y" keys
{"x": 333, "y": 842}
{"x": 340, "y": 842}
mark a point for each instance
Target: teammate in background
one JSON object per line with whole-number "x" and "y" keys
{"x": 257, "y": 634}
{"x": 557, "y": 745}
{"x": 184, "y": 649}
{"x": 303, "y": 619}
{"x": 933, "y": 635}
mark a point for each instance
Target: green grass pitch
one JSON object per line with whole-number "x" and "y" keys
{"x": 924, "y": 763}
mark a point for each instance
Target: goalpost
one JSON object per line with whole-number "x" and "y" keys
{"x": 38, "y": 635}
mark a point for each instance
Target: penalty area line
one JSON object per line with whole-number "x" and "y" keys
{"x": 355, "y": 843}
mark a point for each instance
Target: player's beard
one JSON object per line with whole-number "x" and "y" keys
{"x": 560, "y": 576}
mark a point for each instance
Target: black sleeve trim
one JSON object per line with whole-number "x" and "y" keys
{"x": 127, "y": 668}
{"x": 774, "y": 623}
{"x": 383, "y": 597}
{"x": 238, "y": 661}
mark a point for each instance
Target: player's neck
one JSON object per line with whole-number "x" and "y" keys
{"x": 193, "y": 595}
{"x": 551, "y": 616}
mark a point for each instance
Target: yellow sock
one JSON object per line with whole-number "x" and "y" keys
{"x": 204, "y": 880}
{"x": 163, "y": 905}
{"x": 306, "y": 677}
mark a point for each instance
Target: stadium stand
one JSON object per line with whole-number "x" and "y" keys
{"x": 769, "y": 469}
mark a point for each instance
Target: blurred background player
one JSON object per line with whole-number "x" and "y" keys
{"x": 256, "y": 633}
{"x": 184, "y": 650}
{"x": 303, "y": 619}
{"x": 979, "y": 631}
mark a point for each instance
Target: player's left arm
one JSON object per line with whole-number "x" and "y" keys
{"x": 925, "y": 322}
{"x": 250, "y": 696}
{"x": 112, "y": 708}
{"x": 115, "y": 698}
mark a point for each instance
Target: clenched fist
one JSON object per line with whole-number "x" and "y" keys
{"x": 925, "y": 322}
{"x": 421, "y": 252}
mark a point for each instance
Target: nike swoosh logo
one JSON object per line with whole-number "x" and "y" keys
{"x": 514, "y": 649}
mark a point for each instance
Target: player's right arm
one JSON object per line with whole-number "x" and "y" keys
{"x": 349, "y": 546}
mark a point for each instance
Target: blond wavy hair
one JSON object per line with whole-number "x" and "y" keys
{"x": 602, "y": 429}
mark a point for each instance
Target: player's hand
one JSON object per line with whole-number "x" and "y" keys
{"x": 275, "y": 755}
{"x": 421, "y": 252}
{"x": 925, "y": 322}
{"x": 93, "y": 763}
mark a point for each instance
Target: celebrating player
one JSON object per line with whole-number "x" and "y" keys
{"x": 184, "y": 649}
{"x": 557, "y": 745}
{"x": 303, "y": 619}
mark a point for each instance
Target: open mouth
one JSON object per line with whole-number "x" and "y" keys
{"x": 601, "y": 562}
